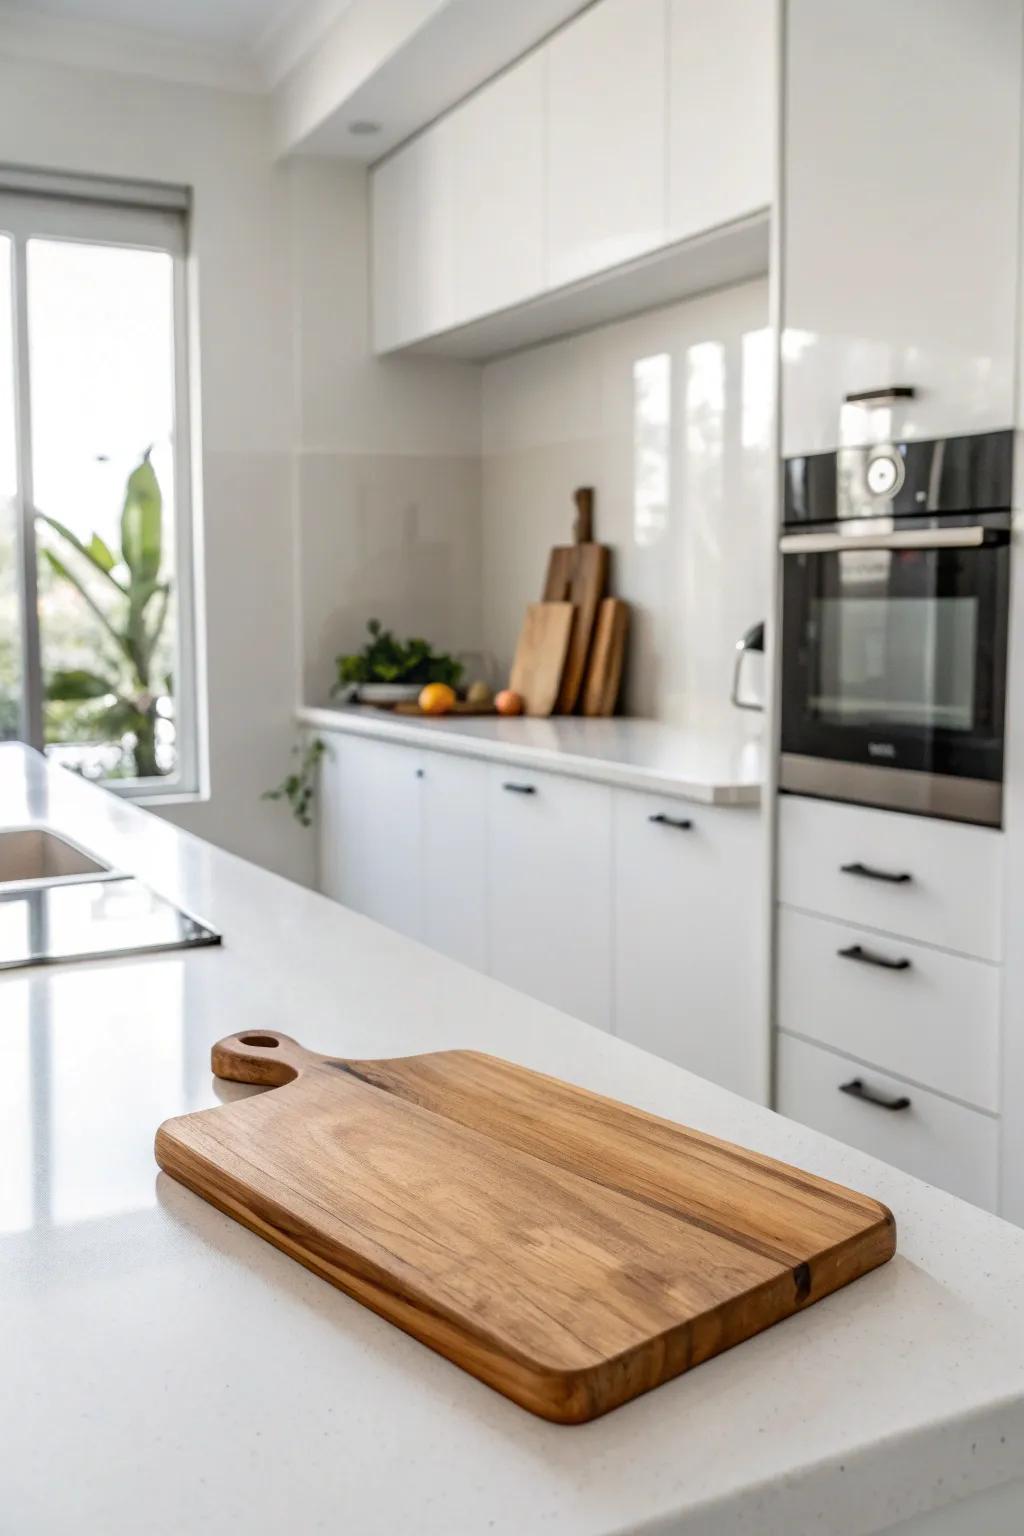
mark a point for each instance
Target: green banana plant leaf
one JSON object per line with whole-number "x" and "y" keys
{"x": 77, "y": 684}
{"x": 142, "y": 524}
{"x": 66, "y": 574}
{"x": 96, "y": 551}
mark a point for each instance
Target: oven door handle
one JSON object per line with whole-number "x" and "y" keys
{"x": 899, "y": 538}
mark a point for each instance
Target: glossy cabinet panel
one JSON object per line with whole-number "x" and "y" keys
{"x": 722, "y": 110}
{"x": 453, "y": 853}
{"x": 549, "y": 889}
{"x": 906, "y": 1008}
{"x": 901, "y": 171}
{"x": 370, "y": 814}
{"x": 932, "y": 1138}
{"x": 607, "y": 121}
{"x": 413, "y": 239}
{"x": 498, "y": 205}
{"x": 689, "y": 965}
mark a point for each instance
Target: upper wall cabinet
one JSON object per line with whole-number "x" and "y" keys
{"x": 607, "y": 139}
{"x": 498, "y": 154}
{"x": 722, "y": 111}
{"x": 414, "y": 239}
{"x": 639, "y": 125}
{"x": 901, "y": 222}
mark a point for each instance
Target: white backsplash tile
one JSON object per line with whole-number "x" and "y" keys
{"x": 668, "y": 416}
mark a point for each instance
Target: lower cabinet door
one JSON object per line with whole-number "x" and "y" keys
{"x": 689, "y": 926}
{"x": 549, "y": 889}
{"x": 454, "y": 808}
{"x": 370, "y": 830}
{"x": 929, "y": 1136}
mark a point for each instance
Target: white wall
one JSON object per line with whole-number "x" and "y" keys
{"x": 668, "y": 416}
{"x": 387, "y": 450}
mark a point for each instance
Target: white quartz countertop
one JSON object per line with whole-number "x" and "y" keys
{"x": 165, "y": 1372}
{"x": 718, "y": 762}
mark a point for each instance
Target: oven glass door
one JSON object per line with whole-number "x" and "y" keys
{"x": 897, "y": 656}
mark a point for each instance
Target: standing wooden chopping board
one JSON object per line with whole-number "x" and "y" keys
{"x": 578, "y": 573}
{"x": 607, "y": 655}
{"x": 540, "y": 656}
{"x": 566, "y": 1249}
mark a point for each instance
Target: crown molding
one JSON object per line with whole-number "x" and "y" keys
{"x": 294, "y": 34}
{"x": 28, "y": 33}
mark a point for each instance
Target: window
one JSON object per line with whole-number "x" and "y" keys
{"x": 97, "y": 654}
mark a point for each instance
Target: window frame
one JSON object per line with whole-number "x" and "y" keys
{"x": 96, "y": 212}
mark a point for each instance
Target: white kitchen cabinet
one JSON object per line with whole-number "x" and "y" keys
{"x": 929, "y": 1136}
{"x": 549, "y": 889}
{"x": 498, "y": 154}
{"x": 901, "y": 227}
{"x": 721, "y": 112}
{"x": 453, "y": 856}
{"x": 413, "y": 198}
{"x": 606, "y": 138}
{"x": 370, "y": 819}
{"x": 688, "y": 923}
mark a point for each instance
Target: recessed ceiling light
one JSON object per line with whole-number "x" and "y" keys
{"x": 363, "y": 127}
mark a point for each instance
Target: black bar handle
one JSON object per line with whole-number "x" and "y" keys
{"x": 868, "y": 957}
{"x": 857, "y": 1089}
{"x": 680, "y": 823}
{"x": 890, "y": 392}
{"x": 867, "y": 873}
{"x": 521, "y": 789}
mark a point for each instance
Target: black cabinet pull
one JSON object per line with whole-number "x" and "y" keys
{"x": 680, "y": 823}
{"x": 867, "y": 873}
{"x": 857, "y": 1089}
{"x": 867, "y": 957}
{"x": 520, "y": 789}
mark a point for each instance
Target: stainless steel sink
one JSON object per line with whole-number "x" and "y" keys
{"x": 34, "y": 856}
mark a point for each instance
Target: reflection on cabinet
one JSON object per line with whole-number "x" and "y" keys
{"x": 722, "y": 111}
{"x": 901, "y": 174}
{"x": 606, "y": 141}
{"x": 498, "y": 207}
{"x": 689, "y": 965}
{"x": 549, "y": 889}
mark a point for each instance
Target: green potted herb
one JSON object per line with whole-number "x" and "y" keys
{"x": 388, "y": 670}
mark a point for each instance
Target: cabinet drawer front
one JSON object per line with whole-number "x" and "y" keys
{"x": 834, "y": 860}
{"x": 933, "y": 1139}
{"x": 918, "y": 1012}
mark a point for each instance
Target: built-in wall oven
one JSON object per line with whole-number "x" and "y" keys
{"x": 896, "y": 572}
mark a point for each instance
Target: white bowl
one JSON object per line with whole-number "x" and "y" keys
{"x": 388, "y": 693}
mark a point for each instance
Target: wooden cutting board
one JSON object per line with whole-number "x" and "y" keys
{"x": 607, "y": 654}
{"x": 578, "y": 573}
{"x": 540, "y": 656}
{"x": 567, "y": 1250}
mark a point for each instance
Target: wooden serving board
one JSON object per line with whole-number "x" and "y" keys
{"x": 540, "y": 655}
{"x": 460, "y": 707}
{"x": 566, "y": 1249}
{"x": 578, "y": 573}
{"x": 607, "y": 654}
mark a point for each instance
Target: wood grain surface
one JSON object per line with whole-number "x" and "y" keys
{"x": 566, "y": 1249}
{"x": 607, "y": 655}
{"x": 540, "y": 656}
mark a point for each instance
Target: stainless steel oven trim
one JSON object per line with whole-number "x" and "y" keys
{"x": 899, "y": 538}
{"x": 894, "y": 789}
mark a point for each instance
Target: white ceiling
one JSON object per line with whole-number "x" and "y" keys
{"x": 198, "y": 21}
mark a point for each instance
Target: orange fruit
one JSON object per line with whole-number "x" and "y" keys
{"x": 508, "y": 702}
{"x": 437, "y": 699}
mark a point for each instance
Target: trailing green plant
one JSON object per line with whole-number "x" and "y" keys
{"x": 299, "y": 786}
{"x": 384, "y": 659}
{"x": 130, "y": 599}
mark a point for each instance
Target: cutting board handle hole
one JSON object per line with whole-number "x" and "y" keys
{"x": 267, "y": 1041}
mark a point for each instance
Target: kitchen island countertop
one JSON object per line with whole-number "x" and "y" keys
{"x": 714, "y": 761}
{"x": 165, "y": 1372}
